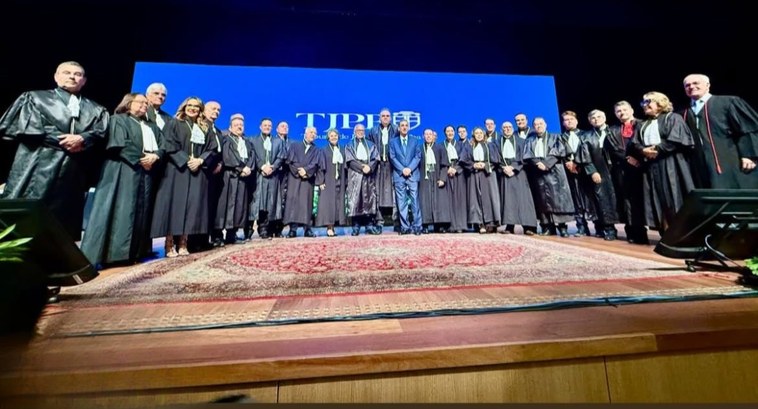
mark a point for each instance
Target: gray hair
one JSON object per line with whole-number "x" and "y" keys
{"x": 155, "y": 87}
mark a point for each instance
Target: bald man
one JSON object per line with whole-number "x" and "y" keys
{"x": 725, "y": 130}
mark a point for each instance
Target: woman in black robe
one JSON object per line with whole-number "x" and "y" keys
{"x": 181, "y": 204}
{"x": 663, "y": 143}
{"x": 456, "y": 186}
{"x": 119, "y": 226}
{"x": 433, "y": 196}
{"x": 331, "y": 198}
{"x": 480, "y": 161}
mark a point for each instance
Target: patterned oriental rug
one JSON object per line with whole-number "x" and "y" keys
{"x": 371, "y": 264}
{"x": 302, "y": 280}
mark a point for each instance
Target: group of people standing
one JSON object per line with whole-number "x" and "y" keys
{"x": 180, "y": 177}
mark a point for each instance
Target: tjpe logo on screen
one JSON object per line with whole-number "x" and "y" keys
{"x": 346, "y": 121}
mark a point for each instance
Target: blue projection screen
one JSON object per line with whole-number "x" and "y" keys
{"x": 337, "y": 98}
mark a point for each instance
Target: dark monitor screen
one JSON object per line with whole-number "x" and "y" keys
{"x": 726, "y": 219}
{"x": 51, "y": 248}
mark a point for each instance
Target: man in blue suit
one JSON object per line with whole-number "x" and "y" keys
{"x": 405, "y": 155}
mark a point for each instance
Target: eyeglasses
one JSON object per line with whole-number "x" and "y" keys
{"x": 645, "y": 102}
{"x": 192, "y": 106}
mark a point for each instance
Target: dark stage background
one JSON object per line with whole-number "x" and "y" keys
{"x": 598, "y": 51}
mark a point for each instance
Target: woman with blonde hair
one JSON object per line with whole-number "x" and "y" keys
{"x": 662, "y": 145}
{"x": 181, "y": 205}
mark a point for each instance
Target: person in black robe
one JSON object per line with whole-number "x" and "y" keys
{"x": 663, "y": 144}
{"x": 596, "y": 178}
{"x": 238, "y": 159}
{"x": 725, "y": 131}
{"x": 462, "y": 132}
{"x": 266, "y": 202}
{"x": 456, "y": 186}
{"x": 481, "y": 161}
{"x": 282, "y": 132}
{"x": 522, "y": 126}
{"x": 490, "y": 134}
{"x": 331, "y": 198}
{"x": 181, "y": 204}
{"x": 60, "y": 135}
{"x": 119, "y": 226}
{"x": 433, "y": 195}
{"x": 156, "y": 95}
{"x": 626, "y": 174}
{"x": 583, "y": 207}
{"x": 381, "y": 135}
{"x": 213, "y": 168}
{"x": 361, "y": 162}
{"x": 544, "y": 154}
{"x": 303, "y": 161}
{"x": 516, "y": 202}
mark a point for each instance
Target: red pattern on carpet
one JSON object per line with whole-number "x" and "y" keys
{"x": 370, "y": 264}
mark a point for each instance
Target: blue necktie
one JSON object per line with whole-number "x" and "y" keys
{"x": 696, "y": 107}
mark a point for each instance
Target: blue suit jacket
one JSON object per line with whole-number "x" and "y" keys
{"x": 410, "y": 157}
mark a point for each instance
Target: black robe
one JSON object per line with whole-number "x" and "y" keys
{"x": 181, "y": 204}
{"x": 583, "y": 207}
{"x": 384, "y": 187}
{"x": 515, "y": 197}
{"x": 360, "y": 194}
{"x": 627, "y": 179}
{"x": 267, "y": 195}
{"x": 725, "y": 130}
{"x": 550, "y": 188}
{"x": 592, "y": 158}
{"x": 457, "y": 188}
{"x": 152, "y": 115}
{"x": 119, "y": 225}
{"x": 433, "y": 199}
{"x": 41, "y": 168}
{"x": 483, "y": 192}
{"x": 667, "y": 179}
{"x": 233, "y": 199}
{"x": 331, "y": 200}
{"x": 298, "y": 206}
{"x": 283, "y": 177}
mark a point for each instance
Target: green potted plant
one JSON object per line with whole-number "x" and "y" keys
{"x": 752, "y": 265}
{"x": 12, "y": 250}
{"x": 23, "y": 291}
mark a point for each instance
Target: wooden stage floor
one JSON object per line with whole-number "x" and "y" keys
{"x": 689, "y": 351}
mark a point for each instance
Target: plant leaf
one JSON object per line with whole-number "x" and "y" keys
{"x": 10, "y": 259}
{"x": 7, "y": 230}
{"x": 15, "y": 243}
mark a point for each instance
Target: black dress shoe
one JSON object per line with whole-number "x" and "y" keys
{"x": 309, "y": 233}
{"x": 292, "y": 234}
